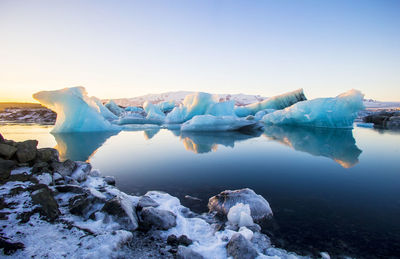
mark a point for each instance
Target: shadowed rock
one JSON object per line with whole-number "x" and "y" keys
{"x": 7, "y": 151}
{"x": 241, "y": 248}
{"x": 159, "y": 219}
{"x": 48, "y": 205}
{"x": 26, "y": 151}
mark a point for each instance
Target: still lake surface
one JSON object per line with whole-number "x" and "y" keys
{"x": 330, "y": 190}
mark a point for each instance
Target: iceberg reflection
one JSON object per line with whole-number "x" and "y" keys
{"x": 204, "y": 142}
{"x": 80, "y": 146}
{"x": 337, "y": 144}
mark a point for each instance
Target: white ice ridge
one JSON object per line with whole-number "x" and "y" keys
{"x": 276, "y": 102}
{"x": 337, "y": 112}
{"x": 76, "y": 112}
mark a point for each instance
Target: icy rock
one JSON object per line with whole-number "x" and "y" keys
{"x": 65, "y": 168}
{"x": 240, "y": 248}
{"x": 222, "y": 203}
{"x": 114, "y": 108}
{"x": 76, "y": 112}
{"x": 81, "y": 172}
{"x": 146, "y": 201}
{"x": 109, "y": 180}
{"x": 240, "y": 215}
{"x": 122, "y": 207}
{"x": 247, "y": 233}
{"x": 157, "y": 218}
{"x": 7, "y": 151}
{"x": 45, "y": 179}
{"x": 187, "y": 253}
{"x": 215, "y": 123}
{"x": 277, "y": 102}
{"x": 337, "y": 112}
{"x": 48, "y": 206}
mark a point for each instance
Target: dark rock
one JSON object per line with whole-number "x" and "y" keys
{"x": 81, "y": 204}
{"x": 109, "y": 180}
{"x": 47, "y": 155}
{"x": 222, "y": 202}
{"x": 172, "y": 240}
{"x": 26, "y": 151}
{"x": 65, "y": 168}
{"x": 24, "y": 177}
{"x": 146, "y": 201}
{"x": 384, "y": 119}
{"x": 48, "y": 205}
{"x": 71, "y": 188}
{"x": 41, "y": 167}
{"x": 159, "y": 219}
{"x": 6, "y": 166}
{"x": 184, "y": 240}
{"x": 241, "y": 248}
{"x": 1, "y": 138}
{"x": 7, "y": 151}
{"x": 122, "y": 208}
{"x": 8, "y": 247}
{"x": 187, "y": 253}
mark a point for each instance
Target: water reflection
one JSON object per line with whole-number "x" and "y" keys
{"x": 204, "y": 142}
{"x": 80, "y": 146}
{"x": 150, "y": 133}
{"x": 337, "y": 144}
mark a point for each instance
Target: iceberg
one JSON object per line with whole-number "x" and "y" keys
{"x": 76, "y": 112}
{"x": 277, "y": 103}
{"x": 166, "y": 106}
{"x": 216, "y": 123}
{"x": 337, "y": 112}
{"x": 134, "y": 109}
{"x": 104, "y": 110}
{"x": 153, "y": 112}
{"x": 114, "y": 108}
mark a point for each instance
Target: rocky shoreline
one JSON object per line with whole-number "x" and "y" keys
{"x": 67, "y": 209}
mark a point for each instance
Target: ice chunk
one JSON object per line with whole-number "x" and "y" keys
{"x": 114, "y": 108}
{"x": 104, "y": 110}
{"x": 76, "y": 112}
{"x": 166, "y": 106}
{"x": 277, "y": 102}
{"x": 215, "y": 123}
{"x": 337, "y": 112}
{"x": 240, "y": 215}
{"x": 153, "y": 112}
{"x": 134, "y": 109}
{"x": 193, "y": 104}
{"x": 222, "y": 109}
{"x": 258, "y": 116}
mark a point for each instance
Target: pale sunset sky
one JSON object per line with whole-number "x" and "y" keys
{"x": 130, "y": 48}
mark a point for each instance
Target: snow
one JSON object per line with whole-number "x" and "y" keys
{"x": 215, "y": 123}
{"x": 76, "y": 112}
{"x": 240, "y": 215}
{"x": 337, "y": 112}
{"x": 277, "y": 102}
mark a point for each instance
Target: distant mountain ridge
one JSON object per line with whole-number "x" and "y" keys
{"x": 178, "y": 96}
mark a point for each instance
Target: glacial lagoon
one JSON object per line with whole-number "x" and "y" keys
{"x": 330, "y": 190}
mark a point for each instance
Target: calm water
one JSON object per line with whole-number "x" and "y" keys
{"x": 330, "y": 190}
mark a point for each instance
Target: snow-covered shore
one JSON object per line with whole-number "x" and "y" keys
{"x": 67, "y": 209}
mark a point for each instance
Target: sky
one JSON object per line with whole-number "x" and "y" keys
{"x": 129, "y": 48}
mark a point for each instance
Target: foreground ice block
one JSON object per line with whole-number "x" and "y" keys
{"x": 76, "y": 112}
{"x": 337, "y": 112}
{"x": 276, "y": 102}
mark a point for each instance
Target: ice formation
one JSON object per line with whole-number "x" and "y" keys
{"x": 76, "y": 112}
{"x": 337, "y": 112}
{"x": 114, "y": 108}
{"x": 240, "y": 215}
{"x": 104, "y": 110}
{"x": 277, "y": 102}
{"x": 134, "y": 109}
{"x": 216, "y": 123}
{"x": 153, "y": 112}
{"x": 166, "y": 106}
